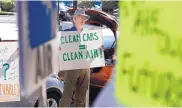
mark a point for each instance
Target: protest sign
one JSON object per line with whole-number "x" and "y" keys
{"x": 149, "y": 55}
{"x": 81, "y": 50}
{"x": 9, "y": 74}
{"x": 37, "y": 43}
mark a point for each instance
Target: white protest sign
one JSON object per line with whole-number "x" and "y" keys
{"x": 9, "y": 74}
{"x": 81, "y": 50}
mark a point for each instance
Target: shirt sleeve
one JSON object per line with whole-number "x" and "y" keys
{"x": 66, "y": 30}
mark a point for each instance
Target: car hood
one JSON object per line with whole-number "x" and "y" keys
{"x": 100, "y": 17}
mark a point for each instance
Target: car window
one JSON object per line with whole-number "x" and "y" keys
{"x": 108, "y": 41}
{"x": 66, "y": 25}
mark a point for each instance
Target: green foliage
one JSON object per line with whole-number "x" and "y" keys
{"x": 7, "y": 5}
{"x": 86, "y": 4}
{"x": 106, "y": 5}
{"x": 110, "y": 5}
{"x": 6, "y": 13}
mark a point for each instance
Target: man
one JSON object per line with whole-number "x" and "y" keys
{"x": 76, "y": 80}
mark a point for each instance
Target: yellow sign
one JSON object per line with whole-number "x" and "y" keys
{"x": 149, "y": 54}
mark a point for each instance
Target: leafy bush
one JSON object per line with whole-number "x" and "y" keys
{"x": 7, "y": 5}
{"x": 6, "y": 13}
{"x": 86, "y": 4}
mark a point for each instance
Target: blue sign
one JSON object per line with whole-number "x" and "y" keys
{"x": 98, "y": 3}
{"x": 41, "y": 16}
{"x": 68, "y": 3}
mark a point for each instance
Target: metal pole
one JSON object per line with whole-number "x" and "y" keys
{"x": 58, "y": 13}
{"x": 75, "y": 4}
{"x": 87, "y": 95}
{"x": 101, "y": 5}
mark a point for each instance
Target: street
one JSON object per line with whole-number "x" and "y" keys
{"x": 8, "y": 19}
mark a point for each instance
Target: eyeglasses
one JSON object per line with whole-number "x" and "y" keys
{"x": 83, "y": 18}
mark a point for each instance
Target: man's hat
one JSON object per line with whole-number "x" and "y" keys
{"x": 81, "y": 12}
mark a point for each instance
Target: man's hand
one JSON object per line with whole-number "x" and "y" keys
{"x": 61, "y": 75}
{"x": 102, "y": 47}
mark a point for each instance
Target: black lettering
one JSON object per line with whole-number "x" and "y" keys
{"x": 125, "y": 67}
{"x": 144, "y": 73}
{"x": 42, "y": 72}
{"x": 47, "y": 53}
{"x": 168, "y": 93}
{"x": 166, "y": 44}
{"x": 126, "y": 55}
{"x": 155, "y": 86}
{"x": 174, "y": 87}
{"x": 38, "y": 66}
{"x": 45, "y": 68}
{"x": 174, "y": 48}
{"x": 134, "y": 79}
{"x": 49, "y": 59}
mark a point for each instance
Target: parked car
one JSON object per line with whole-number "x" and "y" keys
{"x": 108, "y": 24}
{"x": 54, "y": 87}
{"x": 116, "y": 12}
{"x": 63, "y": 12}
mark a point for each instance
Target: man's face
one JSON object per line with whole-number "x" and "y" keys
{"x": 80, "y": 20}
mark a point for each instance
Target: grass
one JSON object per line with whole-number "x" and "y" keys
{"x": 6, "y": 13}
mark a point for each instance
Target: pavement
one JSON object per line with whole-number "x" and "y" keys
{"x": 8, "y": 18}
{"x": 8, "y": 27}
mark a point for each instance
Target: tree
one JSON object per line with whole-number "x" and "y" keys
{"x": 7, "y": 5}
{"x": 86, "y": 4}
{"x": 109, "y": 5}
